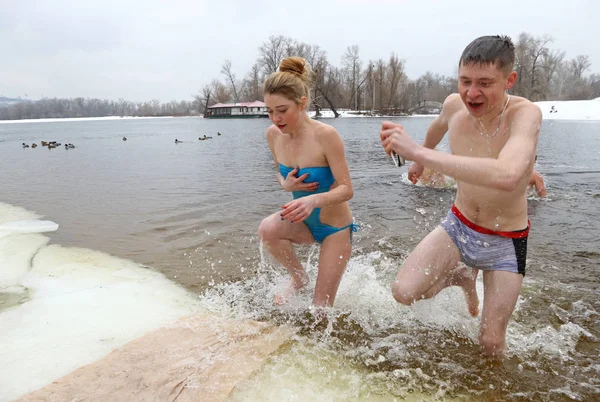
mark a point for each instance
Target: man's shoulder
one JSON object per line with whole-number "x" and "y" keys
{"x": 524, "y": 108}
{"x": 452, "y": 105}
{"x": 452, "y": 102}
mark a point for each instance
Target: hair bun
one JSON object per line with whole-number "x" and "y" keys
{"x": 295, "y": 65}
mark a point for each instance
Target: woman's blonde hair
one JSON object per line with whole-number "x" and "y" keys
{"x": 293, "y": 80}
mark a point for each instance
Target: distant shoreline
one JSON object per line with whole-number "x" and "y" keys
{"x": 58, "y": 119}
{"x": 551, "y": 110}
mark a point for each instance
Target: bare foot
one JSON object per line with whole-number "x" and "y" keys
{"x": 288, "y": 291}
{"x": 465, "y": 278}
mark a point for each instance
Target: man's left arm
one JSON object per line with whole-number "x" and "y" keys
{"x": 504, "y": 173}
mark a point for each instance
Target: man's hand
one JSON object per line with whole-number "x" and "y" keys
{"x": 415, "y": 171}
{"x": 394, "y": 138}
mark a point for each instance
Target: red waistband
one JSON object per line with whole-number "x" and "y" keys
{"x": 519, "y": 234}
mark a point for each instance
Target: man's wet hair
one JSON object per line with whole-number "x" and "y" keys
{"x": 485, "y": 50}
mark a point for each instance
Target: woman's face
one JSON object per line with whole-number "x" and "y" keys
{"x": 283, "y": 112}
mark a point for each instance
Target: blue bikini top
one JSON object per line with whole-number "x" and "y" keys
{"x": 320, "y": 174}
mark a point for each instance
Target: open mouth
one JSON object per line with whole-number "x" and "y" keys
{"x": 475, "y": 106}
{"x": 281, "y": 126}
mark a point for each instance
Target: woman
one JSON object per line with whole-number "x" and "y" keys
{"x": 310, "y": 162}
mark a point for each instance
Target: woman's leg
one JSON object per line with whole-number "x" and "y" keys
{"x": 335, "y": 254}
{"x": 279, "y": 236}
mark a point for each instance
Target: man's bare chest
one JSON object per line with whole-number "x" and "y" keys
{"x": 466, "y": 138}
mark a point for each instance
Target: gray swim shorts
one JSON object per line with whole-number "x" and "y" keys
{"x": 486, "y": 249}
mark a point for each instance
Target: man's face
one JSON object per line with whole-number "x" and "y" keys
{"x": 482, "y": 87}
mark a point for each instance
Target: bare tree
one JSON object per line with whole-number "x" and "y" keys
{"x": 352, "y": 66}
{"x": 226, "y": 70}
{"x": 203, "y": 98}
{"x": 395, "y": 77}
{"x": 579, "y": 65}
{"x": 550, "y": 65}
{"x": 522, "y": 63}
{"x": 326, "y": 83}
{"x": 538, "y": 52}
{"x": 221, "y": 93}
{"x": 252, "y": 86}
{"x": 594, "y": 85}
{"x": 272, "y": 52}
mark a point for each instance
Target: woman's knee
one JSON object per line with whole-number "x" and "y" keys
{"x": 266, "y": 229}
{"x": 269, "y": 229}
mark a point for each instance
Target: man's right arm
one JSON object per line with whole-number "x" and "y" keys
{"x": 435, "y": 133}
{"x": 439, "y": 126}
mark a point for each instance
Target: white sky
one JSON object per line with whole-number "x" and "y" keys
{"x": 167, "y": 50}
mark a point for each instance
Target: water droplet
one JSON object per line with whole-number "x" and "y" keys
{"x": 427, "y": 271}
{"x": 486, "y": 244}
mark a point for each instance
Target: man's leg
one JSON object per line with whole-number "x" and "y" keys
{"x": 431, "y": 267}
{"x": 500, "y": 293}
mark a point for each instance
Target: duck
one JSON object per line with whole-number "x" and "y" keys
{"x": 218, "y": 133}
{"x": 25, "y": 145}
{"x": 33, "y": 145}
{"x": 124, "y": 138}
{"x": 177, "y": 141}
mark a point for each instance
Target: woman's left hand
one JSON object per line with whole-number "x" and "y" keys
{"x": 298, "y": 210}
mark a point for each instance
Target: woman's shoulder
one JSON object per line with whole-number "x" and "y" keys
{"x": 323, "y": 130}
{"x": 272, "y": 132}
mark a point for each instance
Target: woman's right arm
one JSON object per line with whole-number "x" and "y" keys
{"x": 271, "y": 133}
{"x": 291, "y": 182}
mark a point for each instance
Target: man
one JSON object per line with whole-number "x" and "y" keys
{"x": 431, "y": 178}
{"x": 537, "y": 182}
{"x": 493, "y": 139}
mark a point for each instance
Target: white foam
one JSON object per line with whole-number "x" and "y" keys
{"x": 364, "y": 295}
{"x": 27, "y": 226}
{"x": 306, "y": 373}
{"x": 560, "y": 342}
{"x": 78, "y": 306}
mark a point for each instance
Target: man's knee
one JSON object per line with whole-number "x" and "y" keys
{"x": 492, "y": 342}
{"x": 402, "y": 293}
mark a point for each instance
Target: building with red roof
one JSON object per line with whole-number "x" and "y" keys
{"x": 237, "y": 110}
